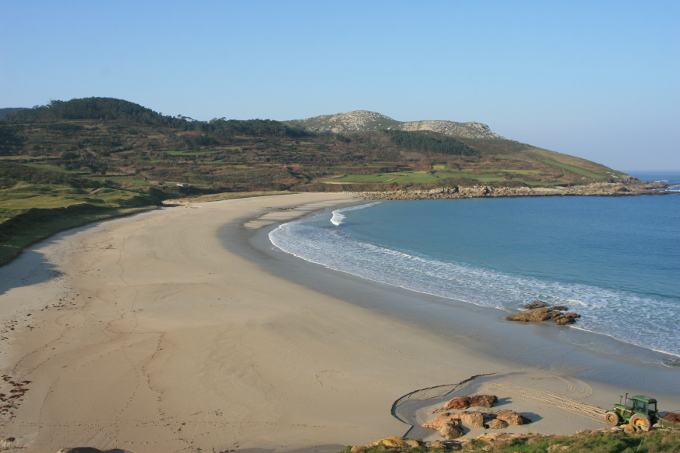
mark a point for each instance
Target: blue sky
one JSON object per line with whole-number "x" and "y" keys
{"x": 595, "y": 79}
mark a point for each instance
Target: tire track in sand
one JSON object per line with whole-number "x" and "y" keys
{"x": 552, "y": 399}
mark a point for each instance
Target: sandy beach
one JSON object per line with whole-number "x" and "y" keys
{"x": 153, "y": 333}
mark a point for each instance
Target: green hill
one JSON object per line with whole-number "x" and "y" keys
{"x": 134, "y": 147}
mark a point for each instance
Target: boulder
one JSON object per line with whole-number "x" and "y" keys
{"x": 472, "y": 419}
{"x": 497, "y": 424}
{"x": 459, "y": 403}
{"x": 511, "y": 417}
{"x": 450, "y": 431}
{"x": 559, "y": 308}
{"x": 483, "y": 400}
{"x": 535, "y": 304}
{"x": 464, "y": 402}
{"x": 438, "y": 422}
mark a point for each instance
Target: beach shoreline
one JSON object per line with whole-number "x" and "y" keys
{"x": 182, "y": 329}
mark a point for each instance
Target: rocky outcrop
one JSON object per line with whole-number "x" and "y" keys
{"x": 342, "y": 123}
{"x": 555, "y": 314}
{"x": 364, "y": 120}
{"x": 471, "y": 129}
{"x": 471, "y": 419}
{"x": 596, "y": 189}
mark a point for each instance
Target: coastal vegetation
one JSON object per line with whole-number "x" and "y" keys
{"x": 35, "y": 203}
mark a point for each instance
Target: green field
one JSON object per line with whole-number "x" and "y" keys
{"x": 32, "y": 212}
{"x": 54, "y": 168}
{"x": 189, "y": 153}
{"x": 386, "y": 178}
{"x": 414, "y": 177}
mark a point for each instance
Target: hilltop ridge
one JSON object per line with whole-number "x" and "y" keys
{"x": 366, "y": 121}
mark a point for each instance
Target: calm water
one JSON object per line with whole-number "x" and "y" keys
{"x": 614, "y": 260}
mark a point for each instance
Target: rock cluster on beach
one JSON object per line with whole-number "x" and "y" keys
{"x": 596, "y": 189}
{"x": 451, "y": 424}
{"x": 540, "y": 311}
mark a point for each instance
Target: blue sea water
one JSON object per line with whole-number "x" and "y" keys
{"x": 614, "y": 260}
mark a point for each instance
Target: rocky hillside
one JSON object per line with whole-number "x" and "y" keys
{"x": 343, "y": 123}
{"x": 470, "y": 129}
{"x": 363, "y": 121}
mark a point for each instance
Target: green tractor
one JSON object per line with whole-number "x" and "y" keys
{"x": 639, "y": 411}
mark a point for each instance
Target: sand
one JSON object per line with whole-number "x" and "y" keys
{"x": 148, "y": 334}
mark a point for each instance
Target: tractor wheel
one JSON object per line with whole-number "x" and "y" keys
{"x": 640, "y": 422}
{"x": 611, "y": 418}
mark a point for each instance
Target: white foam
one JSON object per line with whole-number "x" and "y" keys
{"x": 339, "y": 217}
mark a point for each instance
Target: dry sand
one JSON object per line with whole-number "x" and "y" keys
{"x": 147, "y": 334}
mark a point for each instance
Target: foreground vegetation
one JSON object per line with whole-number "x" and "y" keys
{"x": 655, "y": 441}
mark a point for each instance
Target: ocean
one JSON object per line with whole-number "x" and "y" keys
{"x": 614, "y": 260}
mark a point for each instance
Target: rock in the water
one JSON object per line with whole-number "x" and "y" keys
{"x": 450, "y": 431}
{"x": 535, "y": 304}
{"x": 535, "y": 315}
{"x": 559, "y": 308}
{"x": 497, "y": 424}
{"x": 566, "y": 318}
{"x": 545, "y": 314}
{"x": 511, "y": 417}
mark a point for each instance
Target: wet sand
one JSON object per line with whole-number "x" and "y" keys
{"x": 168, "y": 331}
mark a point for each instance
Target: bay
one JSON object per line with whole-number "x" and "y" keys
{"x": 616, "y": 261}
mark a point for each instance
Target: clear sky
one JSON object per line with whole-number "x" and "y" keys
{"x": 595, "y": 79}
